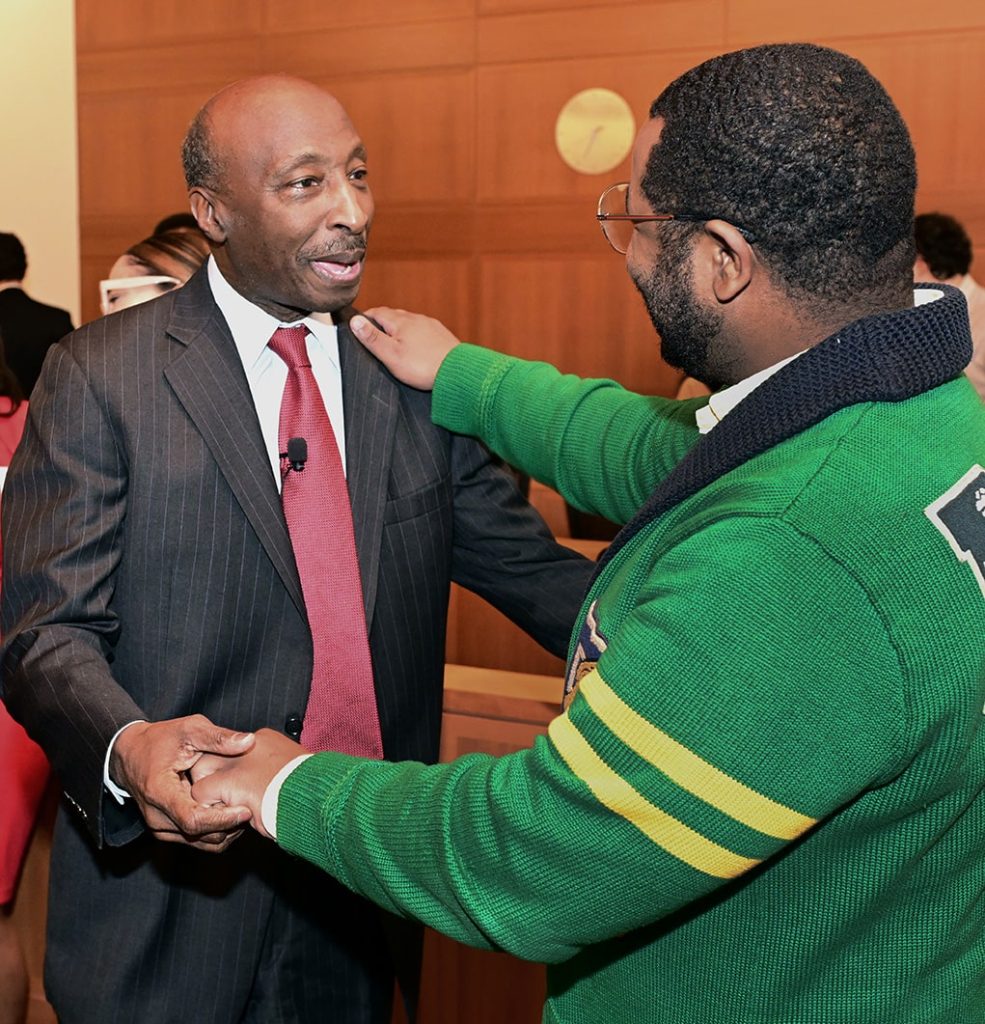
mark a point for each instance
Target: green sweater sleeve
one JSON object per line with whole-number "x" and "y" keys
{"x": 673, "y": 771}
{"x": 604, "y": 448}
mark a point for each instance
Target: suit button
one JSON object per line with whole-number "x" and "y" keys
{"x": 293, "y": 726}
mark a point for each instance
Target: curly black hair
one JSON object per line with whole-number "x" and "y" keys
{"x": 944, "y": 245}
{"x": 801, "y": 146}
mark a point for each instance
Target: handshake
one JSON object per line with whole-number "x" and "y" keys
{"x": 197, "y": 783}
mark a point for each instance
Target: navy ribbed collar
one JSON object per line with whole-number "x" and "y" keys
{"x": 887, "y": 357}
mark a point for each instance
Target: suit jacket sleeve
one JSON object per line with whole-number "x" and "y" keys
{"x": 504, "y": 551}
{"x": 64, "y": 503}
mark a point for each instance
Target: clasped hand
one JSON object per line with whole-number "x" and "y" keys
{"x": 221, "y": 781}
{"x": 196, "y": 782}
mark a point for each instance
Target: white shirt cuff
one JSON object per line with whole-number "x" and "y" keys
{"x": 118, "y": 794}
{"x": 271, "y": 796}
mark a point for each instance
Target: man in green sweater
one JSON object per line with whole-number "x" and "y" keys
{"x": 764, "y": 799}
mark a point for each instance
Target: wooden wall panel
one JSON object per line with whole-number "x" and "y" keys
{"x": 521, "y": 6}
{"x": 751, "y": 22}
{"x": 308, "y": 15}
{"x": 130, "y": 163}
{"x": 319, "y": 56}
{"x": 406, "y": 122}
{"x": 422, "y": 230}
{"x": 360, "y": 51}
{"x": 478, "y": 634}
{"x": 440, "y": 288}
{"x": 583, "y": 315}
{"x": 540, "y": 229}
{"x": 462, "y": 984}
{"x": 107, "y": 24}
{"x": 198, "y": 67}
{"x": 123, "y": 194}
{"x": 611, "y": 29}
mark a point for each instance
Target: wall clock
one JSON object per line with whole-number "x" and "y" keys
{"x": 594, "y": 131}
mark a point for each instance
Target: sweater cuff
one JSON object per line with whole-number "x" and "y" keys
{"x": 311, "y": 798}
{"x": 462, "y": 386}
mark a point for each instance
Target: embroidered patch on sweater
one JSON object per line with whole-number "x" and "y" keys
{"x": 591, "y": 644}
{"x": 959, "y": 514}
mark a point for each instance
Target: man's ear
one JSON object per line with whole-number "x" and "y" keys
{"x": 207, "y": 210}
{"x": 732, "y": 260}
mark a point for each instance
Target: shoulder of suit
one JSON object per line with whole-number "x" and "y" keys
{"x": 127, "y": 331}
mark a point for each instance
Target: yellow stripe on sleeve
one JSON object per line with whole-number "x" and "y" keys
{"x": 687, "y": 769}
{"x": 620, "y": 797}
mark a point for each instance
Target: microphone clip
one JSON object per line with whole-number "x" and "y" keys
{"x": 296, "y": 455}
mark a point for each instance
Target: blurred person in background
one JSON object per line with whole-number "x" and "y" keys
{"x": 944, "y": 255}
{"x": 158, "y": 264}
{"x": 23, "y": 767}
{"x": 28, "y": 327}
{"x": 176, "y": 220}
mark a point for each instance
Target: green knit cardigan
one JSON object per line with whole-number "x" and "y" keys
{"x": 764, "y": 801}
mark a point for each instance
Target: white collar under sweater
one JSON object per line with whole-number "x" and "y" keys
{"x": 723, "y": 402}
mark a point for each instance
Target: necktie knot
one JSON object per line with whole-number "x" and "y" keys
{"x": 290, "y": 344}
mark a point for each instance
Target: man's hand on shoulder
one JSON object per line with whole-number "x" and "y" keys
{"x": 411, "y": 346}
{"x": 152, "y": 761}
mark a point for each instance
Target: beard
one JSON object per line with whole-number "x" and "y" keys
{"x": 688, "y": 331}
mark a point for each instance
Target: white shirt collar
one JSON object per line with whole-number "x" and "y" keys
{"x": 252, "y": 327}
{"x": 723, "y": 402}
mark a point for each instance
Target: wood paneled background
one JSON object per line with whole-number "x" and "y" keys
{"x": 479, "y": 221}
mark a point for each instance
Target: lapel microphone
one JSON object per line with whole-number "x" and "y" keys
{"x": 296, "y": 455}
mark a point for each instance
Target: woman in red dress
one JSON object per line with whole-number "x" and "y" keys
{"x": 23, "y": 767}
{"x": 167, "y": 260}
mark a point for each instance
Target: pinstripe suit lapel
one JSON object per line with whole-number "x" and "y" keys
{"x": 208, "y": 379}
{"x": 371, "y": 402}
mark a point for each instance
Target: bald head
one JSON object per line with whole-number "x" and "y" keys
{"x": 277, "y": 180}
{"x": 231, "y": 119}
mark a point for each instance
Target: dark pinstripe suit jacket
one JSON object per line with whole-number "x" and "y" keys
{"x": 148, "y": 573}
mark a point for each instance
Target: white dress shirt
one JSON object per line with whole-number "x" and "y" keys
{"x": 266, "y": 372}
{"x": 721, "y": 403}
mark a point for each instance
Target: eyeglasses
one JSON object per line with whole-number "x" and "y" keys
{"x": 108, "y": 300}
{"x": 618, "y": 224}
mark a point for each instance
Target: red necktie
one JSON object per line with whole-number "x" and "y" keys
{"x": 341, "y": 712}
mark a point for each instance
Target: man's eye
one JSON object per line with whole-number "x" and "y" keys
{"x": 304, "y": 183}
{"x": 359, "y": 174}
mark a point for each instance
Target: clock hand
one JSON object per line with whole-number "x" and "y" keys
{"x": 591, "y": 139}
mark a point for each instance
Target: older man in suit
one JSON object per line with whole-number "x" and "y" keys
{"x": 28, "y": 328}
{"x": 160, "y": 593}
